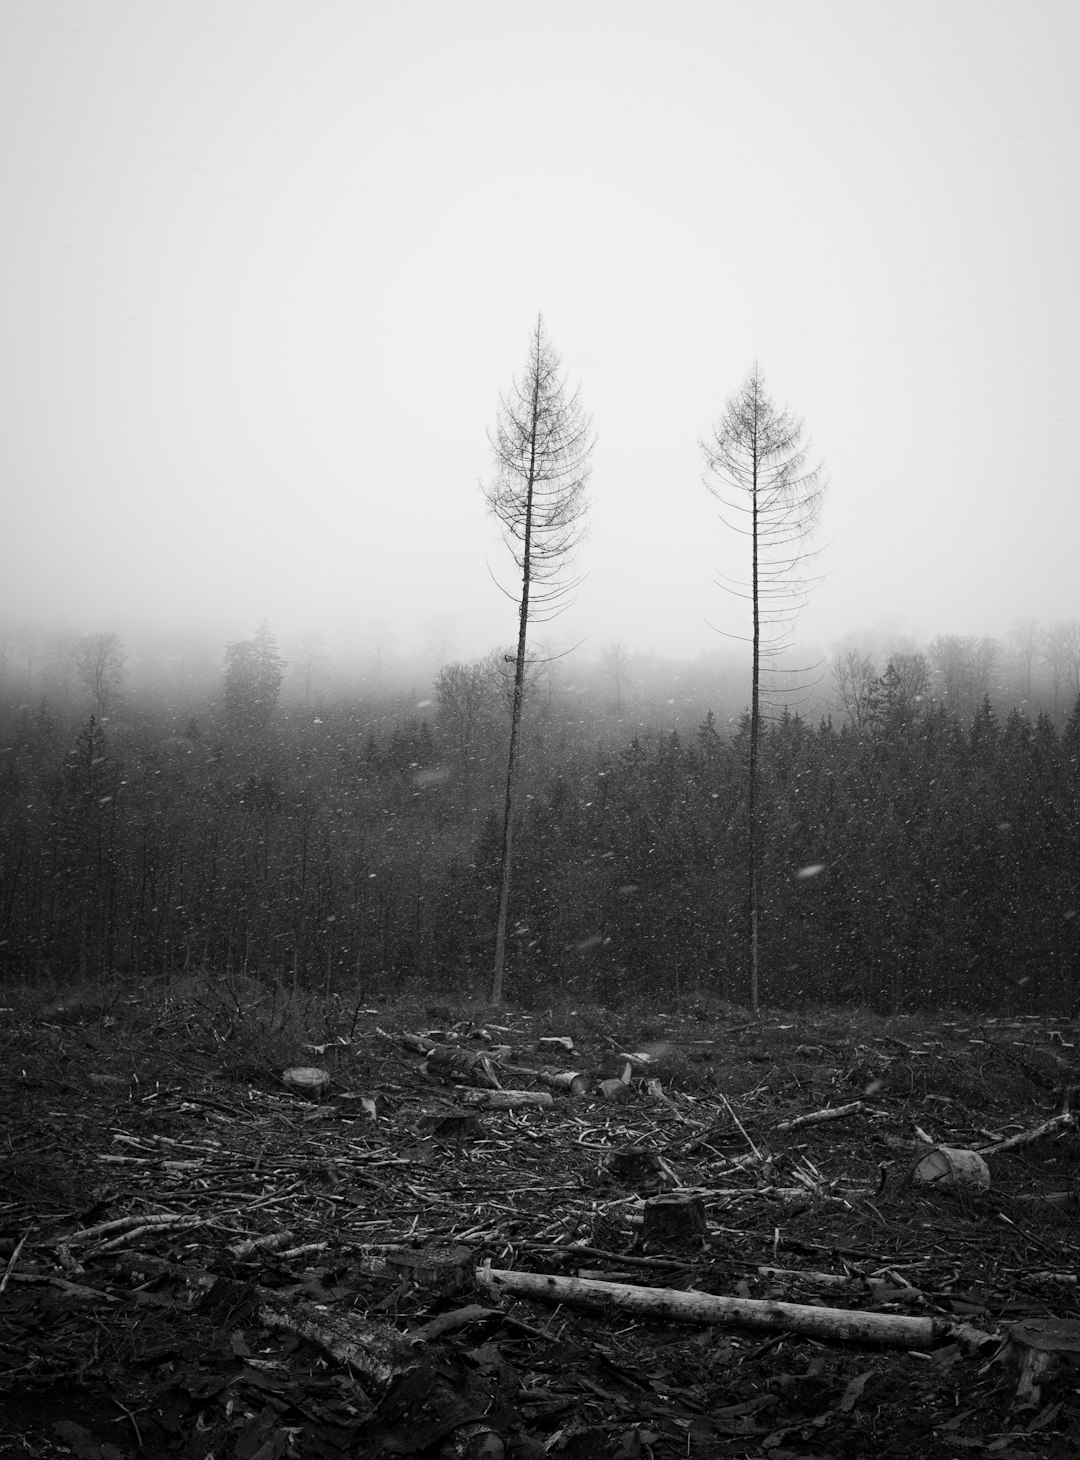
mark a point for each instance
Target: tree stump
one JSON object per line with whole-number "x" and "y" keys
{"x": 633, "y": 1165}
{"x": 674, "y": 1219}
{"x": 1037, "y": 1350}
{"x": 444, "y": 1270}
{"x": 453, "y": 1125}
{"x": 308, "y": 1080}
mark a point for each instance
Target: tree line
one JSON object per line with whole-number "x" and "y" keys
{"x": 261, "y": 857}
{"x": 913, "y": 859}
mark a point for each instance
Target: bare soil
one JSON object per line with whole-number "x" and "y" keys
{"x": 149, "y": 1144}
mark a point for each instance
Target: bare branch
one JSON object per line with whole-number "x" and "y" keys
{"x": 756, "y": 468}
{"x": 541, "y": 444}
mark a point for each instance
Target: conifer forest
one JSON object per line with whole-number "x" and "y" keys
{"x": 272, "y": 814}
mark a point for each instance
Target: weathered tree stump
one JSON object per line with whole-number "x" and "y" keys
{"x": 1037, "y": 1350}
{"x": 307, "y": 1080}
{"x": 437, "y": 1269}
{"x": 633, "y": 1164}
{"x": 674, "y": 1218}
{"x": 453, "y": 1125}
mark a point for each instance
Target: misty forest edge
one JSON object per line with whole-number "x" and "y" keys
{"x": 909, "y": 845}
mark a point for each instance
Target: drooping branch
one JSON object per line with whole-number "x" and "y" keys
{"x": 756, "y": 466}
{"x": 541, "y": 446}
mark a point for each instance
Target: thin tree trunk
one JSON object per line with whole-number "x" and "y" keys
{"x": 506, "y": 858}
{"x": 755, "y": 726}
{"x": 756, "y": 464}
{"x": 515, "y": 718}
{"x": 541, "y": 445}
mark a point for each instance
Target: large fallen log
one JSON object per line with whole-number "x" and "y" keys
{"x": 675, "y": 1306}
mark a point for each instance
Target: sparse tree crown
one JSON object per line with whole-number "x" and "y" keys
{"x": 541, "y": 445}
{"x": 756, "y": 467}
{"x": 99, "y": 659}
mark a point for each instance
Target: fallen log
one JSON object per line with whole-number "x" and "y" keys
{"x": 504, "y": 1099}
{"x": 675, "y": 1306}
{"x": 1051, "y": 1127}
{"x": 459, "y": 1066}
{"x": 949, "y": 1165}
{"x": 571, "y": 1081}
{"x": 372, "y": 1351}
{"x": 818, "y": 1117}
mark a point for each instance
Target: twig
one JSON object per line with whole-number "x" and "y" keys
{"x": 742, "y": 1128}
{"x": 13, "y": 1259}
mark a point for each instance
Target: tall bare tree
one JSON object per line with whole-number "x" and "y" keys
{"x": 542, "y": 445}
{"x": 964, "y": 670}
{"x": 463, "y": 692}
{"x": 1025, "y": 639}
{"x": 855, "y": 683}
{"x": 379, "y": 642}
{"x": 908, "y": 676}
{"x": 61, "y": 662}
{"x": 756, "y": 467}
{"x": 615, "y": 658}
{"x": 1061, "y": 650}
{"x": 8, "y": 643}
{"x": 310, "y": 662}
{"x": 440, "y": 641}
{"x": 99, "y": 659}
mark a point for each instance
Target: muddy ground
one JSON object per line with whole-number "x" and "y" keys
{"x": 200, "y": 1260}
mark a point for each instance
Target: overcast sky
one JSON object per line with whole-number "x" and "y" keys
{"x": 265, "y": 269}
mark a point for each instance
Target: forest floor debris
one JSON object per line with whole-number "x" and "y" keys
{"x": 199, "y": 1258}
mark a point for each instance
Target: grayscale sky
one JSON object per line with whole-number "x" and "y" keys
{"x": 265, "y": 269}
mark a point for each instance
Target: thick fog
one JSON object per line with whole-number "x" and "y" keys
{"x": 266, "y": 270}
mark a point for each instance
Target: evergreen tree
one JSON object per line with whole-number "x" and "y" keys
{"x": 254, "y": 670}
